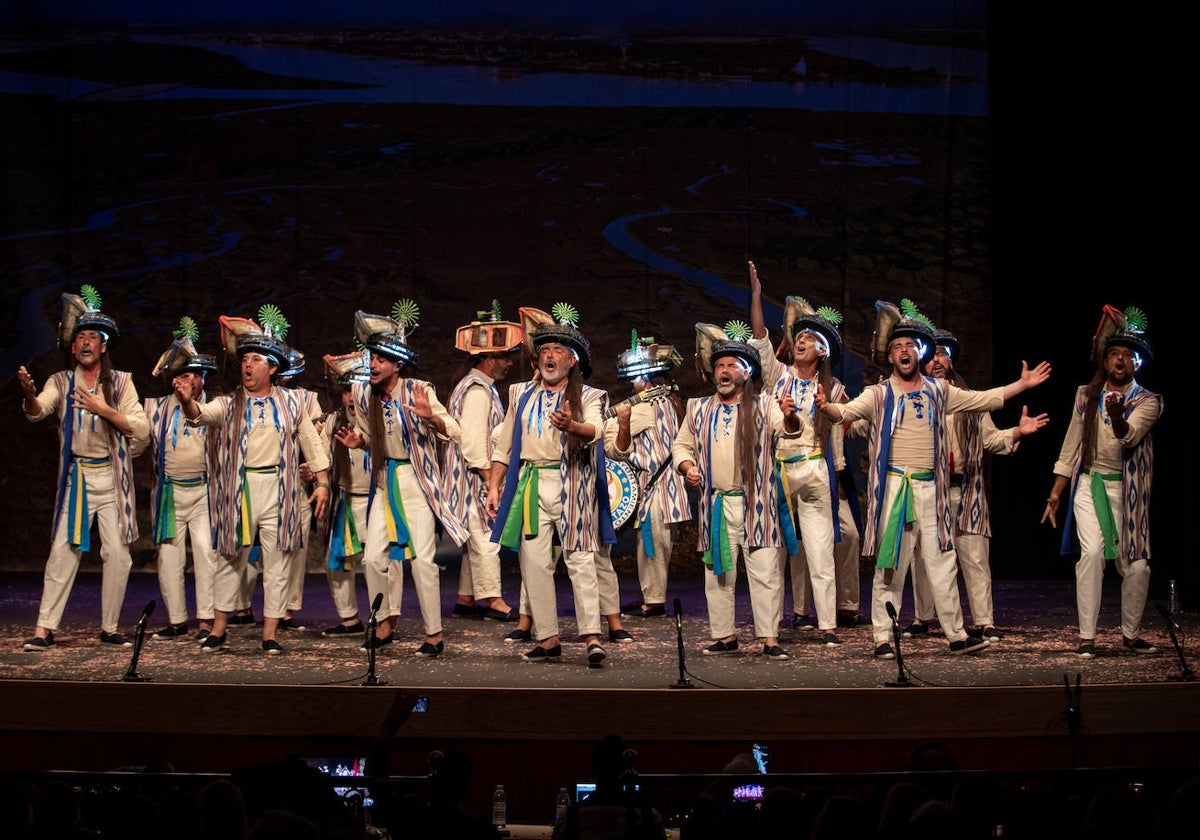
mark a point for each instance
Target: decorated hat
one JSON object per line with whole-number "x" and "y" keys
{"x": 295, "y": 363}
{"x": 388, "y": 336}
{"x": 798, "y": 315}
{"x": 1122, "y": 329}
{"x": 713, "y": 343}
{"x": 556, "y": 327}
{"x": 946, "y": 339}
{"x": 905, "y": 321}
{"x": 240, "y": 336}
{"x": 348, "y": 368}
{"x": 82, "y": 312}
{"x": 181, "y": 356}
{"x": 646, "y": 358}
{"x": 489, "y": 333}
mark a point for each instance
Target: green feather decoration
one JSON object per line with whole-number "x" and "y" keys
{"x": 496, "y": 316}
{"x": 187, "y": 329}
{"x": 1135, "y": 320}
{"x": 633, "y": 341}
{"x": 272, "y": 321}
{"x": 90, "y": 296}
{"x": 406, "y": 312}
{"x": 565, "y": 313}
{"x": 830, "y": 314}
{"x": 737, "y": 330}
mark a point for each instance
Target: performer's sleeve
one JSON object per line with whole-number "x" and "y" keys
{"x": 313, "y": 445}
{"x": 48, "y": 400}
{"x": 684, "y": 447}
{"x": 1141, "y": 420}
{"x": 476, "y": 436}
{"x": 502, "y": 435}
{"x": 1069, "y": 454}
{"x": 452, "y": 430}
{"x": 997, "y": 441}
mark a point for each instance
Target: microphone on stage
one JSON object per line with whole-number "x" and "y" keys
{"x": 141, "y": 622}
{"x": 1166, "y": 614}
{"x": 376, "y": 604}
{"x": 683, "y": 681}
{"x": 139, "y": 638}
{"x": 372, "y": 627}
{"x": 901, "y": 678}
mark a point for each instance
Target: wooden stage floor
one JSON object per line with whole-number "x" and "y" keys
{"x": 1025, "y": 702}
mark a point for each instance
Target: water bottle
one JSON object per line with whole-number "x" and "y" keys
{"x": 500, "y": 807}
{"x": 1172, "y": 598}
{"x": 561, "y": 804}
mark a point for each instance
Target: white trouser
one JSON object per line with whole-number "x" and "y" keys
{"x": 387, "y": 575}
{"x": 63, "y": 562}
{"x": 248, "y": 580}
{"x": 847, "y": 559}
{"x": 1089, "y": 570}
{"x": 272, "y": 562}
{"x": 607, "y": 585}
{"x": 479, "y": 574}
{"x": 918, "y": 536}
{"x": 762, "y": 573}
{"x": 298, "y": 561}
{"x": 971, "y": 552}
{"x": 652, "y": 571}
{"x": 191, "y": 522}
{"x": 538, "y": 563}
{"x": 808, "y": 483}
{"x": 341, "y": 583}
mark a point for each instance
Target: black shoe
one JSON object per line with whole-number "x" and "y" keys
{"x": 272, "y": 647}
{"x": 212, "y": 643}
{"x": 643, "y": 610}
{"x": 173, "y": 631}
{"x": 40, "y": 643}
{"x": 968, "y": 645}
{"x": 884, "y": 651}
{"x": 344, "y": 629}
{"x": 291, "y": 624}
{"x": 1087, "y": 650}
{"x": 917, "y": 628}
{"x": 203, "y": 633}
{"x": 803, "y": 622}
{"x": 541, "y": 654}
{"x": 830, "y": 639}
{"x": 991, "y": 634}
{"x": 467, "y": 611}
{"x": 115, "y": 639}
{"x": 376, "y": 642}
{"x": 849, "y": 620}
{"x": 431, "y": 651}
{"x": 519, "y": 636}
{"x": 1139, "y": 645}
{"x": 496, "y": 615}
{"x": 719, "y": 648}
{"x": 774, "y": 652}
{"x": 619, "y": 636}
{"x": 241, "y": 618}
{"x": 595, "y": 655}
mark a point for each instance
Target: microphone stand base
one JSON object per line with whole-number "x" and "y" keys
{"x": 682, "y": 684}
{"x": 372, "y": 680}
{"x": 1186, "y": 676}
{"x": 899, "y": 684}
{"x": 133, "y": 677}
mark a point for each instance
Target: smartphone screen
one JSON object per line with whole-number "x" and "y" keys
{"x": 760, "y": 757}
{"x": 421, "y": 704}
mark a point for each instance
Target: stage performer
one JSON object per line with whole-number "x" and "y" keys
{"x": 806, "y": 466}
{"x": 641, "y": 434}
{"x": 263, "y": 435}
{"x": 548, "y": 476}
{"x": 968, "y": 436}
{"x": 400, "y": 420}
{"x": 1107, "y": 459}
{"x": 179, "y": 495}
{"x": 489, "y": 343}
{"x": 909, "y": 478}
{"x": 350, "y": 473}
{"x": 726, "y": 449}
{"x": 101, "y": 426}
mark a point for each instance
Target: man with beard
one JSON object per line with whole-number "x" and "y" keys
{"x": 101, "y": 427}
{"x": 399, "y": 419}
{"x": 489, "y": 343}
{"x": 263, "y": 434}
{"x": 1107, "y": 459}
{"x": 968, "y": 435}
{"x": 179, "y": 495}
{"x": 726, "y": 449}
{"x": 807, "y": 465}
{"x": 549, "y": 462}
{"x": 909, "y": 479}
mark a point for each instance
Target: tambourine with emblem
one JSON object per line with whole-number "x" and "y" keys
{"x": 622, "y": 491}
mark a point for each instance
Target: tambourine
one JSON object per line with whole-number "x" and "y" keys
{"x": 622, "y": 491}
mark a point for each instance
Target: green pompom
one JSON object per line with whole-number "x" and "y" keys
{"x": 272, "y": 321}
{"x": 830, "y": 314}
{"x": 1135, "y": 320}
{"x": 738, "y": 330}
{"x": 187, "y": 329}
{"x": 406, "y": 312}
{"x": 565, "y": 313}
{"x": 90, "y": 296}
